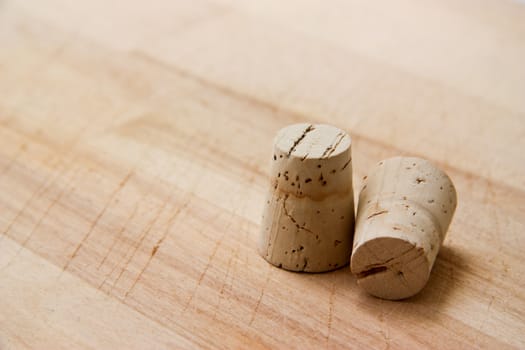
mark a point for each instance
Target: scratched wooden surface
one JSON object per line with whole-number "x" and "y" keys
{"x": 134, "y": 144}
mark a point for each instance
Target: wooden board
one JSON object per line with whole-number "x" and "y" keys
{"x": 135, "y": 140}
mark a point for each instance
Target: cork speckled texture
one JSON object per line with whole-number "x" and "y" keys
{"x": 405, "y": 207}
{"x": 308, "y": 219}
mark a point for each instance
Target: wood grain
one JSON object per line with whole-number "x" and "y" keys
{"x": 135, "y": 141}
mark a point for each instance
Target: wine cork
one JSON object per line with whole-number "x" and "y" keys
{"x": 309, "y": 215}
{"x": 405, "y": 207}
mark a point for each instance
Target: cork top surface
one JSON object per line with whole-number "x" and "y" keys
{"x": 312, "y": 141}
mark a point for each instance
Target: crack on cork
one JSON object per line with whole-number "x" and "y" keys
{"x": 331, "y": 149}
{"x": 401, "y": 276}
{"x": 305, "y": 264}
{"x": 287, "y": 214}
{"x": 346, "y": 164}
{"x": 392, "y": 264}
{"x": 377, "y": 213}
{"x": 400, "y": 256}
{"x": 395, "y": 264}
{"x": 298, "y": 141}
{"x": 372, "y": 271}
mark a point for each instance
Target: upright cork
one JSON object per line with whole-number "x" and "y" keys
{"x": 405, "y": 207}
{"x": 308, "y": 220}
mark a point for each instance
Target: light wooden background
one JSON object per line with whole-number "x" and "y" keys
{"x": 134, "y": 143}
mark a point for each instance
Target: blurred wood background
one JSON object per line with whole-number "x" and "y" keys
{"x": 134, "y": 143}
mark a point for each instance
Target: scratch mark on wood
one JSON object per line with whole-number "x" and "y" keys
{"x": 261, "y": 295}
{"x": 487, "y": 313}
{"x": 155, "y": 248}
{"x": 206, "y": 268}
{"x": 225, "y": 282}
{"x": 221, "y": 292}
{"x": 40, "y": 190}
{"x": 386, "y": 338}
{"x": 119, "y": 234}
{"x": 44, "y": 185}
{"x": 43, "y": 216}
{"x": 169, "y": 225}
{"x": 51, "y": 205}
{"x": 490, "y": 197}
{"x": 142, "y": 236}
{"x": 113, "y": 244}
{"x": 330, "y": 311}
{"x": 99, "y": 216}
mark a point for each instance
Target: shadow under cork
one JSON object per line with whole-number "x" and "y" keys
{"x": 438, "y": 289}
{"x": 442, "y": 283}
{"x": 429, "y": 303}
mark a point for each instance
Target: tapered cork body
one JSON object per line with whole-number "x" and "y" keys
{"x": 405, "y": 208}
{"x": 308, "y": 219}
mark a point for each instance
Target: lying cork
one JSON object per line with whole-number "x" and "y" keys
{"x": 405, "y": 207}
{"x": 309, "y": 215}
